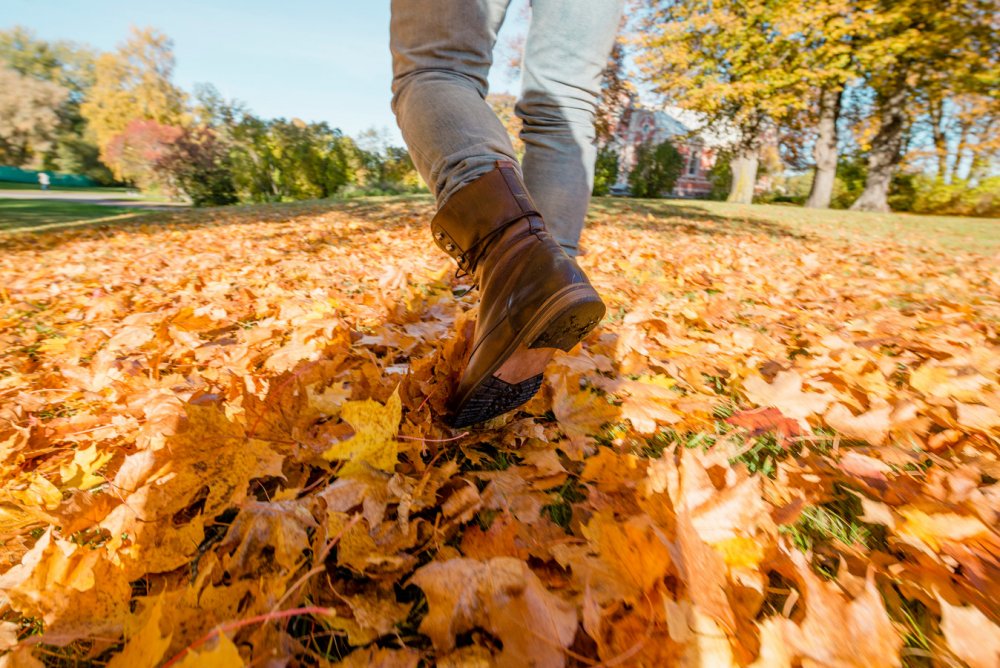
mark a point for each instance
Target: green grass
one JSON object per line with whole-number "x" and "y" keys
{"x": 25, "y": 213}
{"x": 949, "y": 232}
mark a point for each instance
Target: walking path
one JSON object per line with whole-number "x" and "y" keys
{"x": 91, "y": 197}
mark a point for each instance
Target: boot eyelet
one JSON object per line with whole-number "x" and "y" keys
{"x": 439, "y": 235}
{"x": 449, "y": 247}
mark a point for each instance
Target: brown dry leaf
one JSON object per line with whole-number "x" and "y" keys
{"x": 970, "y": 635}
{"x": 508, "y": 491}
{"x": 610, "y": 470}
{"x": 372, "y": 616}
{"x": 380, "y": 657}
{"x": 703, "y": 572}
{"x": 263, "y": 532}
{"x": 934, "y": 529}
{"x": 646, "y": 402}
{"x": 462, "y": 505}
{"x": 168, "y": 389}
{"x": 205, "y": 468}
{"x": 502, "y": 596}
{"x": 838, "y": 631}
{"x": 785, "y": 393}
{"x": 580, "y": 413}
{"x": 737, "y": 509}
{"x": 500, "y": 540}
{"x": 871, "y": 426}
{"x": 941, "y": 381}
{"x": 978, "y": 417}
{"x": 764, "y": 420}
{"x": 705, "y": 644}
{"x": 633, "y": 550}
{"x": 73, "y": 589}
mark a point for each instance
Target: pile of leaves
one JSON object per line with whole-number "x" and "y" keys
{"x": 221, "y": 444}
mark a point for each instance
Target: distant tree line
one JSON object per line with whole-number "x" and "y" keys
{"x": 117, "y": 117}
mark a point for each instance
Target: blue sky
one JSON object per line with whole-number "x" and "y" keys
{"x": 319, "y": 60}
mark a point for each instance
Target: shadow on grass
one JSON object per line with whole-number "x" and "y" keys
{"x": 672, "y": 216}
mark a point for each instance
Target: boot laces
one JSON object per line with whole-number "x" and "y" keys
{"x": 470, "y": 258}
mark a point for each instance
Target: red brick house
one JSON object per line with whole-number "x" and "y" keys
{"x": 639, "y": 125}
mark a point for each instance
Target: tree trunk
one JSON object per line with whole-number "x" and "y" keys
{"x": 825, "y": 150}
{"x": 938, "y": 119}
{"x": 744, "y": 169}
{"x": 885, "y": 154}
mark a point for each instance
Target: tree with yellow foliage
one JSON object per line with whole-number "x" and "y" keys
{"x": 735, "y": 62}
{"x": 918, "y": 50}
{"x": 755, "y": 65}
{"x": 133, "y": 83}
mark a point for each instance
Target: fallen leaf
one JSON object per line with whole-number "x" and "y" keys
{"x": 503, "y": 597}
{"x": 838, "y": 631}
{"x": 221, "y": 654}
{"x": 146, "y": 644}
{"x": 374, "y": 443}
{"x": 970, "y": 635}
{"x": 785, "y": 393}
{"x": 633, "y": 550}
{"x": 933, "y": 529}
{"x": 872, "y": 426}
{"x": 764, "y": 420}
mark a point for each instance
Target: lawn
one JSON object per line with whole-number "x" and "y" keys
{"x": 22, "y": 214}
{"x": 976, "y": 234}
{"x": 221, "y": 434}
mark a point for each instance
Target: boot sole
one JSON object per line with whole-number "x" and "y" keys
{"x": 562, "y": 321}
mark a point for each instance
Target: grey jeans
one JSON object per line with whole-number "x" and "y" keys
{"x": 441, "y": 55}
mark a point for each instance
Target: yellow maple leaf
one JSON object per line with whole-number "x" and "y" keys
{"x": 740, "y": 552}
{"x": 54, "y": 345}
{"x": 79, "y": 473}
{"x": 937, "y": 381}
{"x": 933, "y": 529}
{"x": 223, "y": 655}
{"x": 374, "y": 442}
{"x": 631, "y": 549}
{"x": 35, "y": 490}
{"x": 147, "y": 645}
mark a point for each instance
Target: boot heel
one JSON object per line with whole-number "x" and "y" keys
{"x": 569, "y": 318}
{"x": 492, "y": 398}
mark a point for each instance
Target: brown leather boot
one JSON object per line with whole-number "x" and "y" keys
{"x": 534, "y": 298}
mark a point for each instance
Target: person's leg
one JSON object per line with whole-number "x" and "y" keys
{"x": 567, "y": 49}
{"x": 441, "y": 56}
{"x": 534, "y": 299}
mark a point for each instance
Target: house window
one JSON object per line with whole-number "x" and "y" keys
{"x": 693, "y": 161}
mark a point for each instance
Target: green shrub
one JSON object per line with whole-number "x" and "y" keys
{"x": 903, "y": 191}
{"x": 198, "y": 164}
{"x": 605, "y": 171}
{"x": 959, "y": 198}
{"x": 787, "y": 190}
{"x": 721, "y": 177}
{"x": 849, "y": 182}
{"x": 656, "y": 170}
